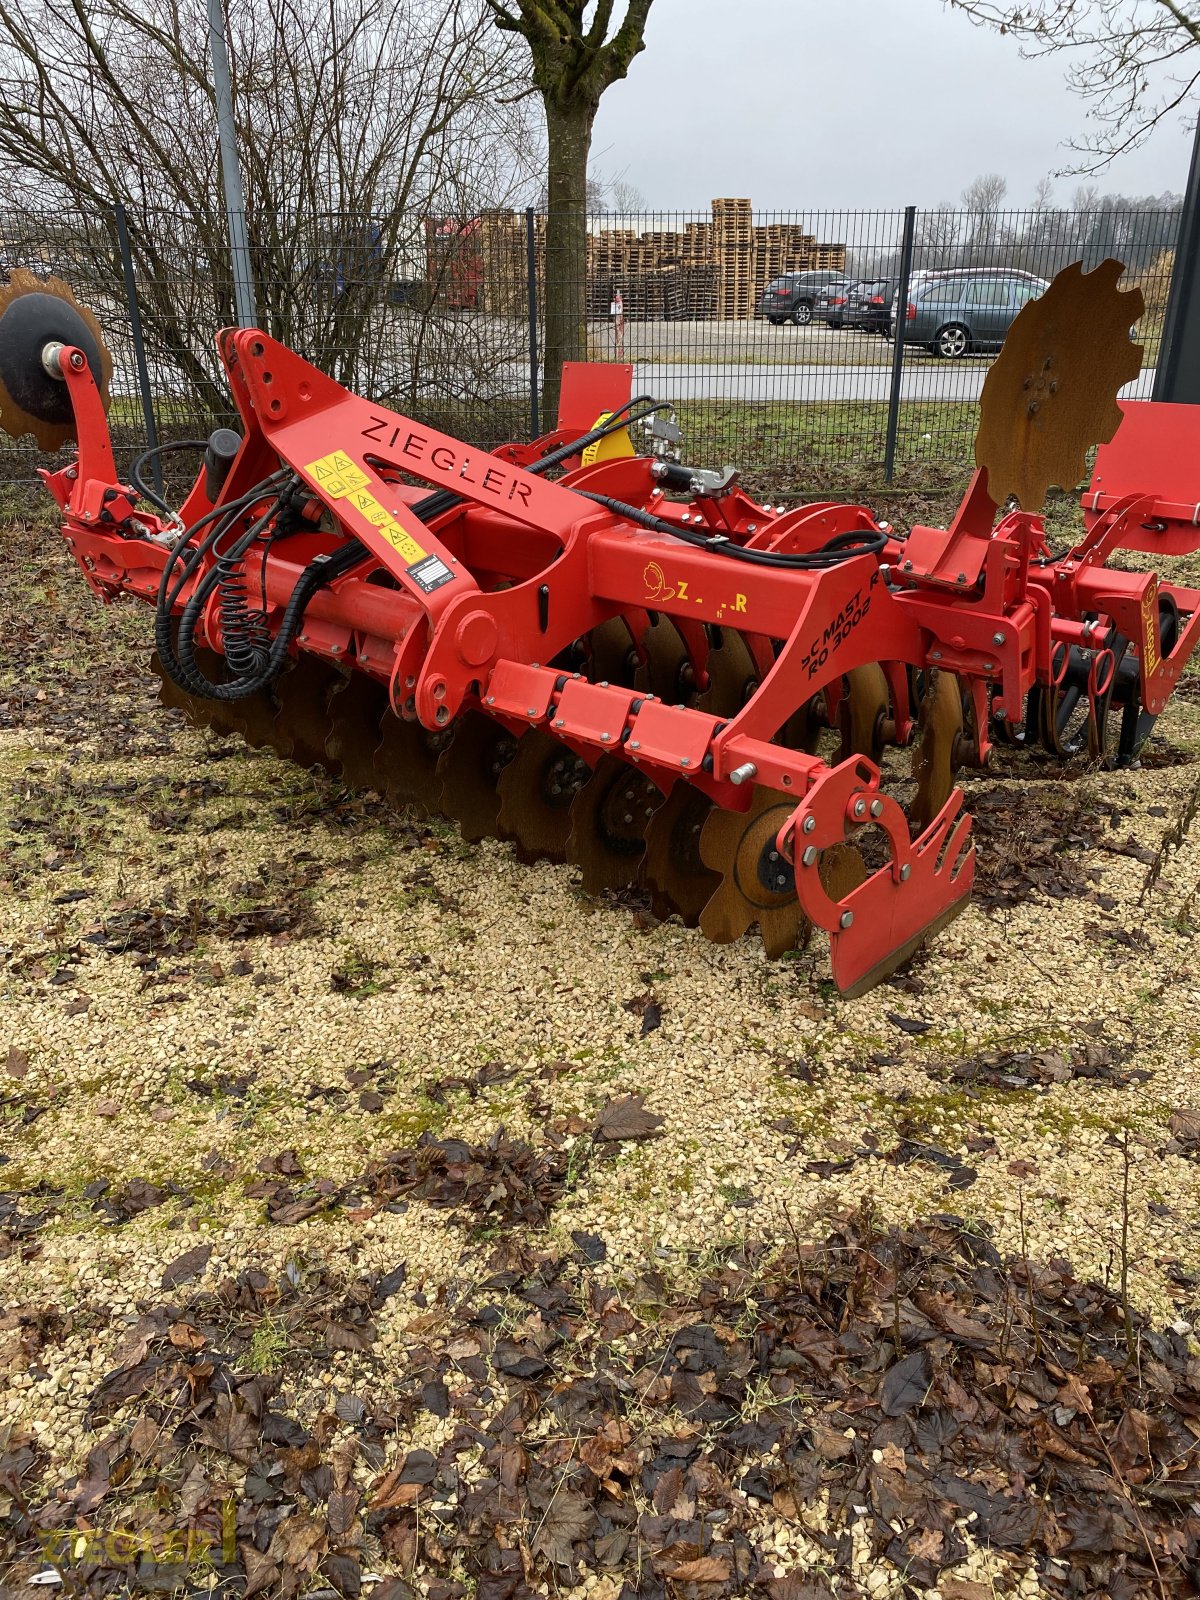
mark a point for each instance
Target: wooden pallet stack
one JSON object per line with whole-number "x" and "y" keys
{"x": 699, "y": 272}
{"x": 502, "y": 250}
{"x": 733, "y": 248}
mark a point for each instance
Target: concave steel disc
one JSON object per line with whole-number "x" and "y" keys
{"x": 1051, "y": 393}
{"x": 609, "y": 817}
{"x": 470, "y": 771}
{"x": 536, "y": 790}
{"x": 33, "y": 314}
{"x": 672, "y": 868}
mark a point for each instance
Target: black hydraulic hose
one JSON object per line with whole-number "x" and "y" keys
{"x": 135, "y": 472}
{"x": 842, "y": 547}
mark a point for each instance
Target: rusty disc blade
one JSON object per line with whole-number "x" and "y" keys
{"x": 1052, "y": 391}
{"x": 757, "y": 884}
{"x": 470, "y": 769}
{"x": 356, "y": 705}
{"x": 672, "y": 869}
{"x": 939, "y": 725}
{"x": 609, "y": 817}
{"x": 667, "y": 669}
{"x": 33, "y": 314}
{"x": 302, "y": 694}
{"x": 732, "y": 674}
{"x": 803, "y": 729}
{"x": 536, "y": 789}
{"x": 406, "y": 762}
{"x": 864, "y": 711}
{"x": 609, "y": 654}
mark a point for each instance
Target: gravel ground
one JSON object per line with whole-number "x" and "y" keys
{"x": 754, "y": 343}
{"x": 223, "y": 974}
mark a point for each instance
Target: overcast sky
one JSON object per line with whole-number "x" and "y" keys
{"x": 801, "y": 104}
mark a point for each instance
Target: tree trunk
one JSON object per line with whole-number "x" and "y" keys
{"x": 569, "y": 133}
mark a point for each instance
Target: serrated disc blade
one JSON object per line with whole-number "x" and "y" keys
{"x": 732, "y": 672}
{"x": 757, "y": 884}
{"x": 469, "y": 771}
{"x": 610, "y": 656}
{"x": 302, "y": 720}
{"x": 406, "y": 762}
{"x": 356, "y": 705}
{"x": 667, "y": 669}
{"x": 35, "y": 313}
{"x": 536, "y": 789}
{"x": 672, "y": 869}
{"x": 939, "y": 725}
{"x": 1052, "y": 391}
{"x": 864, "y": 710}
{"x": 609, "y": 817}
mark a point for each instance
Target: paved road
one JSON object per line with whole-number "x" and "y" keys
{"x": 940, "y": 381}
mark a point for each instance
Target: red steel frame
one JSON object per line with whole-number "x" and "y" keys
{"x": 982, "y": 599}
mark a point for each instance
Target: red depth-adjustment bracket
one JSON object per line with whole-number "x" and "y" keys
{"x": 927, "y": 882}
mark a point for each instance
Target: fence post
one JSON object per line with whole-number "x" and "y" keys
{"x": 893, "y": 421}
{"x": 1177, "y": 369}
{"x": 139, "y": 347}
{"x": 531, "y": 283}
{"x": 235, "y": 204}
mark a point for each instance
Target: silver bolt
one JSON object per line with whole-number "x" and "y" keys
{"x": 989, "y": 666}
{"x": 876, "y": 808}
{"x": 774, "y": 856}
{"x": 935, "y": 655}
{"x": 558, "y": 722}
{"x": 809, "y": 856}
{"x": 846, "y": 919}
{"x": 532, "y": 712}
{"x": 809, "y": 824}
{"x": 605, "y": 737}
{"x": 997, "y": 639}
{"x": 491, "y": 699}
{"x": 905, "y": 873}
{"x": 742, "y": 774}
{"x": 1000, "y": 711}
{"x": 685, "y": 761}
{"x": 860, "y": 808}
{"x": 907, "y": 566}
{"x": 962, "y": 578}
{"x": 635, "y": 744}
{"x": 752, "y": 527}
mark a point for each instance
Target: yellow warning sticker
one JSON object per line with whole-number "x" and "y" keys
{"x": 403, "y": 543}
{"x": 365, "y": 502}
{"x": 336, "y": 475}
{"x": 340, "y": 479}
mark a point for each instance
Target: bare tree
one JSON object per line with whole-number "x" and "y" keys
{"x": 576, "y": 56}
{"x": 981, "y": 200}
{"x": 936, "y": 242}
{"x": 1134, "y": 60}
{"x": 356, "y": 122}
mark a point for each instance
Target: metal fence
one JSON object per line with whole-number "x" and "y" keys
{"x": 773, "y": 334}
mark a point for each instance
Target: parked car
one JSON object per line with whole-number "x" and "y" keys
{"x": 832, "y": 303}
{"x": 790, "y": 297}
{"x": 953, "y": 313}
{"x": 870, "y": 305}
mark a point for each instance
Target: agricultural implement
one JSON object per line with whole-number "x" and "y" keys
{"x": 619, "y": 660}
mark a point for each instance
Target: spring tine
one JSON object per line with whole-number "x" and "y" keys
{"x": 609, "y": 817}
